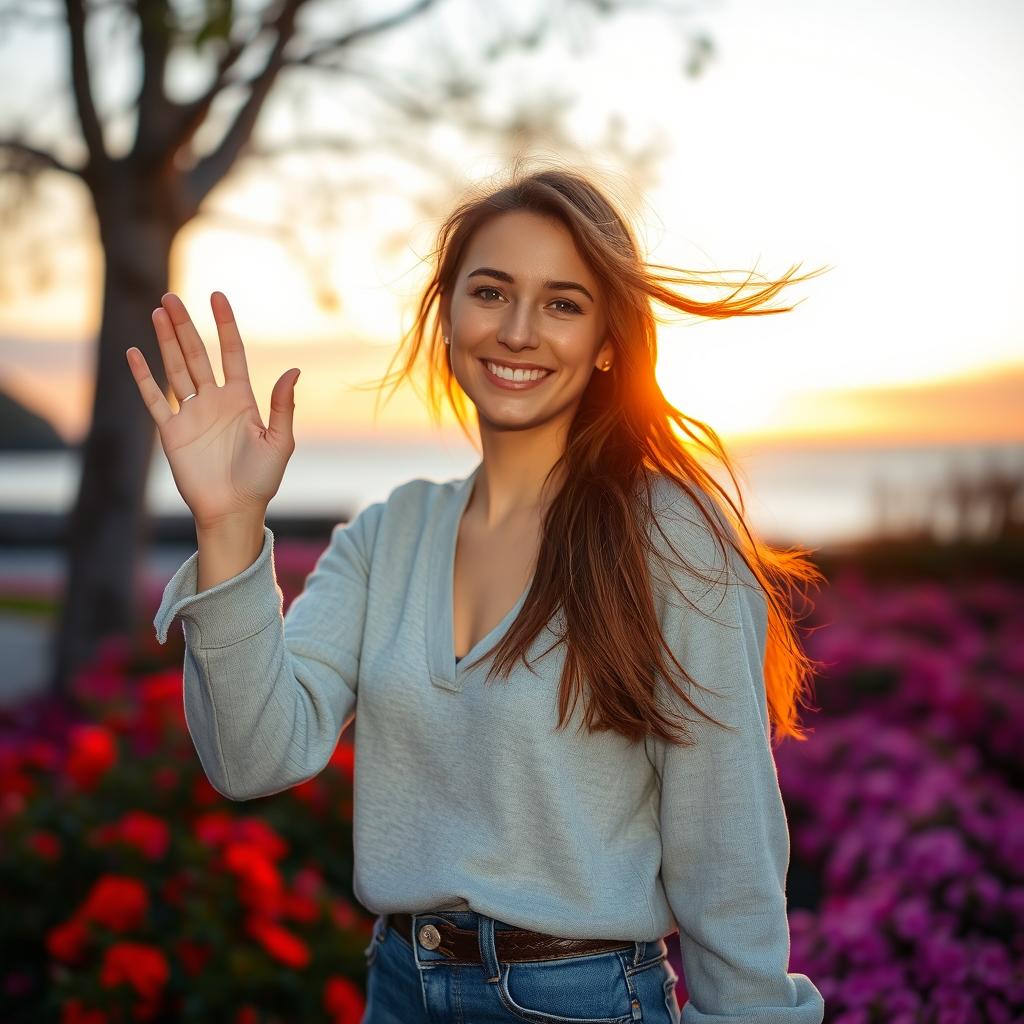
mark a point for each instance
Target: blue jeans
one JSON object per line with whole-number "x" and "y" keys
{"x": 410, "y": 984}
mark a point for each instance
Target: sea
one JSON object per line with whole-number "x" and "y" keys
{"x": 811, "y": 494}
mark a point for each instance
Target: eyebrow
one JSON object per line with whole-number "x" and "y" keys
{"x": 560, "y": 286}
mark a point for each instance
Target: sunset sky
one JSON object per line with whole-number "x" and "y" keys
{"x": 878, "y": 138}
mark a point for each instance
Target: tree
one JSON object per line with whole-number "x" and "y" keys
{"x": 143, "y": 196}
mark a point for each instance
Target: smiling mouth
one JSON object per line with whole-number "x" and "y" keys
{"x": 508, "y": 384}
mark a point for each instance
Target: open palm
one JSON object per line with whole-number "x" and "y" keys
{"x": 224, "y": 460}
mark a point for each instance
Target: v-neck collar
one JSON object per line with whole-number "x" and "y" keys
{"x": 440, "y": 617}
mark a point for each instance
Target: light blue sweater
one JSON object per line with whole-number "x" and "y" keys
{"x": 465, "y": 796}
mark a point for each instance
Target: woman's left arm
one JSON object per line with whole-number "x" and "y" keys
{"x": 725, "y": 837}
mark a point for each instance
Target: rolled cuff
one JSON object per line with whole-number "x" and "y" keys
{"x": 808, "y": 1007}
{"x": 233, "y": 610}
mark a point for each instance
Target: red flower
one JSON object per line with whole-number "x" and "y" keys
{"x": 257, "y": 832}
{"x": 311, "y": 793}
{"x": 309, "y": 881}
{"x": 161, "y": 702}
{"x": 342, "y": 914}
{"x": 299, "y": 907}
{"x": 40, "y": 753}
{"x": 68, "y": 941}
{"x": 343, "y": 1001}
{"x": 116, "y": 901}
{"x": 203, "y": 794}
{"x": 141, "y": 966}
{"x": 213, "y": 828}
{"x": 344, "y": 759}
{"x": 73, "y": 1012}
{"x": 260, "y": 882}
{"x": 92, "y": 752}
{"x": 162, "y": 688}
{"x": 146, "y": 832}
{"x": 246, "y": 1015}
{"x": 44, "y": 844}
{"x": 13, "y": 779}
{"x": 280, "y": 943}
{"x": 11, "y": 805}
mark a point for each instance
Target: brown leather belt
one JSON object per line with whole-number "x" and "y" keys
{"x": 513, "y": 945}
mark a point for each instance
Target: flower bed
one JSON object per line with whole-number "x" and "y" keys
{"x": 141, "y": 894}
{"x": 906, "y": 802}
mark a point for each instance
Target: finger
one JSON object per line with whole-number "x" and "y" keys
{"x": 192, "y": 347}
{"x": 174, "y": 362}
{"x": 232, "y": 351}
{"x": 282, "y": 408}
{"x": 151, "y": 392}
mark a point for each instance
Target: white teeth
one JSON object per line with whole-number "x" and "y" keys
{"x": 515, "y": 375}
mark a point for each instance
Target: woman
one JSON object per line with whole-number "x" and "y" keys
{"x": 520, "y": 869}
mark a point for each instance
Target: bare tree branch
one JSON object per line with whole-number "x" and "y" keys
{"x": 330, "y": 46}
{"x": 202, "y": 178}
{"x": 417, "y": 105}
{"x": 190, "y": 116}
{"x": 32, "y": 158}
{"x": 90, "y": 122}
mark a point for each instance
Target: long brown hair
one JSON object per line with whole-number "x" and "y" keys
{"x": 595, "y": 546}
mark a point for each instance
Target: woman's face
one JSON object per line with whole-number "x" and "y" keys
{"x": 524, "y": 297}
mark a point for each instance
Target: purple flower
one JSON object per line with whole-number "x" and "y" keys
{"x": 912, "y": 918}
{"x": 942, "y": 960}
{"x": 902, "y": 1001}
{"x": 991, "y": 965}
{"x": 938, "y": 854}
{"x": 860, "y": 1015}
{"x": 989, "y": 892}
{"x": 954, "y": 1006}
{"x": 870, "y": 948}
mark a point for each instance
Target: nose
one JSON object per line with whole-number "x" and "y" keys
{"x": 517, "y": 330}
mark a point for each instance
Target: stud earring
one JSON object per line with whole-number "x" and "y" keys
{"x": 446, "y": 341}
{"x": 606, "y": 364}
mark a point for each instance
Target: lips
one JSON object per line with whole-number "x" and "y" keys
{"x": 512, "y": 385}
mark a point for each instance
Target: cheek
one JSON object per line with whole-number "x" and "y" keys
{"x": 470, "y": 321}
{"x": 575, "y": 349}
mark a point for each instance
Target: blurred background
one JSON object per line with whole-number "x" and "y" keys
{"x": 298, "y": 156}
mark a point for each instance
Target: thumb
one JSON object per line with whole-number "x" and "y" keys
{"x": 282, "y": 407}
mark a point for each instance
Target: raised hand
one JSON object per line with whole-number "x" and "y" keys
{"x": 225, "y": 462}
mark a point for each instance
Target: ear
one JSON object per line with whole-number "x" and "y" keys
{"x": 605, "y": 352}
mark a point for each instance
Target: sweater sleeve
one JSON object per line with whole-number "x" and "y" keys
{"x": 725, "y": 836}
{"x": 267, "y": 695}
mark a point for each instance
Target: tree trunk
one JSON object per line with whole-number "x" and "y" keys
{"x": 108, "y": 523}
